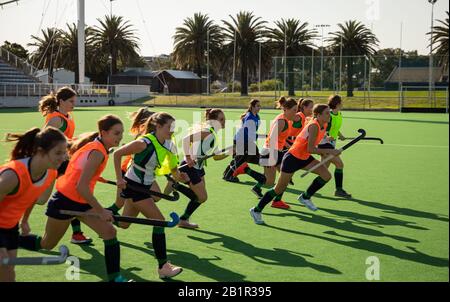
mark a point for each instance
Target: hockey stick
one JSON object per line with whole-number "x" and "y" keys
{"x": 323, "y": 162}
{"x": 129, "y": 219}
{"x": 368, "y": 139}
{"x": 175, "y": 196}
{"x": 48, "y": 260}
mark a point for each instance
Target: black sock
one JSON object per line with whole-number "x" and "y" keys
{"x": 30, "y": 242}
{"x": 112, "y": 258}
{"x": 76, "y": 226}
{"x": 278, "y": 197}
{"x": 159, "y": 245}
{"x": 260, "y": 178}
{"x": 265, "y": 200}
{"x": 339, "y": 178}
{"x": 317, "y": 184}
{"x": 191, "y": 207}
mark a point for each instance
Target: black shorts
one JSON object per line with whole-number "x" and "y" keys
{"x": 135, "y": 196}
{"x": 60, "y": 202}
{"x": 292, "y": 164}
{"x": 9, "y": 238}
{"x": 62, "y": 169}
{"x": 280, "y": 156}
{"x": 326, "y": 146}
{"x": 195, "y": 175}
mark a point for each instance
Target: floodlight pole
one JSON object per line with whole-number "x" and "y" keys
{"x": 81, "y": 49}
{"x": 259, "y": 71}
{"x": 430, "y": 71}
{"x": 340, "y": 67}
{"x": 321, "y": 55}
{"x": 207, "y": 62}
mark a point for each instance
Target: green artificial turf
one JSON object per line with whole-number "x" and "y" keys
{"x": 400, "y": 212}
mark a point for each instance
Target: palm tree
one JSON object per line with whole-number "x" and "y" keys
{"x": 249, "y": 31}
{"x": 69, "y": 50}
{"x": 357, "y": 40}
{"x": 116, "y": 38}
{"x": 297, "y": 39}
{"x": 46, "y": 54}
{"x": 440, "y": 36}
{"x": 190, "y": 43}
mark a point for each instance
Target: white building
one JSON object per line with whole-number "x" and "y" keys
{"x": 60, "y": 75}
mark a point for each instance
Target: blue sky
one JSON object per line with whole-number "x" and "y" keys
{"x": 155, "y": 21}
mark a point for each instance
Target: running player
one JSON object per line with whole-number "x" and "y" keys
{"x": 245, "y": 146}
{"x": 275, "y": 147}
{"x": 28, "y": 175}
{"x": 197, "y": 145}
{"x": 329, "y": 142}
{"x": 75, "y": 192}
{"x": 299, "y": 157}
{"x": 152, "y": 156}
{"x": 57, "y": 110}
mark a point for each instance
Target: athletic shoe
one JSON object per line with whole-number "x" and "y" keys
{"x": 280, "y": 204}
{"x": 168, "y": 270}
{"x": 257, "y": 216}
{"x": 231, "y": 179}
{"x": 121, "y": 279}
{"x": 240, "y": 170}
{"x": 79, "y": 238}
{"x": 187, "y": 225}
{"x": 342, "y": 193}
{"x": 257, "y": 191}
{"x": 307, "y": 202}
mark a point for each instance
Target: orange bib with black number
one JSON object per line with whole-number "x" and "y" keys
{"x": 12, "y": 207}
{"x": 67, "y": 183}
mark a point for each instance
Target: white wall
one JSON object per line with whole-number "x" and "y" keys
{"x": 62, "y": 76}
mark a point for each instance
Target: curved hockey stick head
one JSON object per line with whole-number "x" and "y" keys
{"x": 175, "y": 220}
{"x": 64, "y": 250}
{"x": 176, "y": 196}
{"x": 363, "y": 132}
{"x": 356, "y": 139}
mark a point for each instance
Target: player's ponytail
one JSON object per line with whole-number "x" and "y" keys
{"x": 34, "y": 139}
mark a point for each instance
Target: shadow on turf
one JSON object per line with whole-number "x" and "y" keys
{"x": 96, "y": 265}
{"x": 377, "y": 205}
{"x": 202, "y": 266}
{"x": 386, "y": 208}
{"x": 276, "y": 256}
{"x": 374, "y": 247}
{"x": 345, "y": 225}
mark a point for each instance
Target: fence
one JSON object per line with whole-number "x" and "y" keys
{"x": 40, "y": 89}
{"x": 373, "y": 82}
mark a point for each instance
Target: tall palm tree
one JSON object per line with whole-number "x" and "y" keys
{"x": 297, "y": 39}
{"x": 190, "y": 43}
{"x": 47, "y": 52}
{"x": 116, "y": 37}
{"x": 357, "y": 40}
{"x": 249, "y": 32}
{"x": 69, "y": 50}
{"x": 440, "y": 37}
